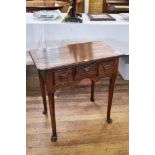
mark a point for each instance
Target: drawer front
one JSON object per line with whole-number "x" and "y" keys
{"x": 106, "y": 68}
{"x": 63, "y": 76}
{"x": 86, "y": 71}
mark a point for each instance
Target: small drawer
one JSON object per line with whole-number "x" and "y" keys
{"x": 63, "y": 76}
{"x": 86, "y": 71}
{"x": 106, "y": 68}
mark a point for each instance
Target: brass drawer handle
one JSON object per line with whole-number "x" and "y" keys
{"x": 106, "y": 66}
{"x": 86, "y": 69}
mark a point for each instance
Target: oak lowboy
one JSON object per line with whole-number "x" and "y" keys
{"x": 67, "y": 65}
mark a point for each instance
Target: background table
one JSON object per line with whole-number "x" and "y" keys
{"x": 37, "y": 5}
{"x": 42, "y": 34}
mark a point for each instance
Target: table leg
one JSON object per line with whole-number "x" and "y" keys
{"x": 52, "y": 114}
{"x": 43, "y": 92}
{"x": 92, "y": 90}
{"x": 50, "y": 90}
{"x": 110, "y": 97}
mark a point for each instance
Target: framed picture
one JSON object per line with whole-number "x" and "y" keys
{"x": 101, "y": 17}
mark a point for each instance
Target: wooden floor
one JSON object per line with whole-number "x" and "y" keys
{"x": 81, "y": 124}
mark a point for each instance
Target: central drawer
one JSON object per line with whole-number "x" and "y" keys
{"x": 85, "y": 71}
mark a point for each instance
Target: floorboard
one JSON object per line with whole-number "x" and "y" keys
{"x": 81, "y": 124}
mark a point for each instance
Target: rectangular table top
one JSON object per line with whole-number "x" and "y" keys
{"x": 72, "y": 54}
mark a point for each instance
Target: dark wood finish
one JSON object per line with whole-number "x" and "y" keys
{"x": 111, "y": 90}
{"x": 63, "y": 76}
{"x": 49, "y": 83}
{"x": 88, "y": 70}
{"x": 43, "y": 92}
{"x": 69, "y": 64}
{"x": 72, "y": 55}
{"x": 38, "y": 5}
{"x": 106, "y": 68}
{"x": 117, "y": 6}
{"x": 92, "y": 91}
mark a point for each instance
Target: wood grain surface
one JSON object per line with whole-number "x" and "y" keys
{"x": 71, "y": 54}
